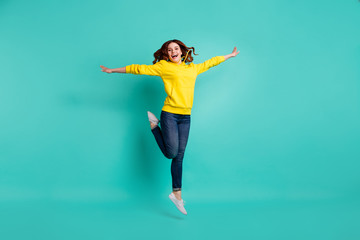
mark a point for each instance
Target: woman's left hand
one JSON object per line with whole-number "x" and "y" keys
{"x": 234, "y": 52}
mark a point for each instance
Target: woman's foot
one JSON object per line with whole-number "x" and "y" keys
{"x": 153, "y": 120}
{"x": 178, "y": 203}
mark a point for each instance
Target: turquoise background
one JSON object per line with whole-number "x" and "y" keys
{"x": 273, "y": 151}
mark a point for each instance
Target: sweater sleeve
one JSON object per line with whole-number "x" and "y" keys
{"x": 153, "y": 70}
{"x": 212, "y": 62}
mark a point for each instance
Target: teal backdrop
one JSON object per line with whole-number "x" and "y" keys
{"x": 274, "y": 144}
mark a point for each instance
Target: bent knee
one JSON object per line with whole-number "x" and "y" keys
{"x": 171, "y": 154}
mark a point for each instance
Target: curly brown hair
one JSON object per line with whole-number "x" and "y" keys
{"x": 162, "y": 53}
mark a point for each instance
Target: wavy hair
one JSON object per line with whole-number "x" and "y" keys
{"x": 162, "y": 53}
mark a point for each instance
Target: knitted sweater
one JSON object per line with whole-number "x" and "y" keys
{"x": 179, "y": 81}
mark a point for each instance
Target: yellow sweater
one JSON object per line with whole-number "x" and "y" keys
{"x": 179, "y": 81}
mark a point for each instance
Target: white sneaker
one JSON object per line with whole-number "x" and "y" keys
{"x": 178, "y": 203}
{"x": 152, "y": 118}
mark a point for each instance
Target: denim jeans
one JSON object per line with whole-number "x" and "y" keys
{"x": 172, "y": 138}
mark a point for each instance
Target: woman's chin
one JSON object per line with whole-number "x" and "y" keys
{"x": 175, "y": 60}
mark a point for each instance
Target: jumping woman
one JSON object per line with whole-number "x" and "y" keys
{"x": 173, "y": 63}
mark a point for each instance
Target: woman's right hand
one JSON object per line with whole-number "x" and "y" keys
{"x": 105, "y": 69}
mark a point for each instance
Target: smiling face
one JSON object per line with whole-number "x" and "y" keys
{"x": 174, "y": 52}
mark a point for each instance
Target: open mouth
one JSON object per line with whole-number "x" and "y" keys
{"x": 174, "y": 56}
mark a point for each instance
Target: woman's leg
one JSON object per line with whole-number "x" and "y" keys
{"x": 176, "y": 164}
{"x": 172, "y": 140}
{"x": 167, "y": 137}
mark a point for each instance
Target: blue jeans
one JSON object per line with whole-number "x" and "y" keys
{"x": 172, "y": 139}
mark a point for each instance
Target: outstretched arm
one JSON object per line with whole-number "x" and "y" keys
{"x": 233, "y": 54}
{"x": 114, "y": 70}
{"x": 202, "y": 67}
{"x": 154, "y": 70}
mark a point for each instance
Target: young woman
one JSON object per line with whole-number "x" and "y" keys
{"x": 173, "y": 63}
